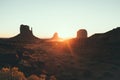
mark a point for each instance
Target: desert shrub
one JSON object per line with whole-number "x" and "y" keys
{"x": 11, "y": 74}
{"x": 52, "y": 77}
{"x": 5, "y": 74}
{"x": 43, "y": 77}
{"x": 15, "y": 74}
{"x": 33, "y": 77}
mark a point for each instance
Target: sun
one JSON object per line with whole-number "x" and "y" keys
{"x": 66, "y": 36}
{"x": 60, "y": 37}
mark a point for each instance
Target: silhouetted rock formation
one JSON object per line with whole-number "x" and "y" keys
{"x": 25, "y": 31}
{"x": 112, "y": 36}
{"x": 82, "y": 33}
{"x": 55, "y": 36}
{"x": 25, "y": 36}
{"x": 109, "y": 37}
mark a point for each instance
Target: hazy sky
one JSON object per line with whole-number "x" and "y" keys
{"x": 62, "y": 16}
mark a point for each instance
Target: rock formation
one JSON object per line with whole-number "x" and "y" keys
{"x": 24, "y": 30}
{"x": 25, "y": 35}
{"x": 82, "y": 33}
{"x": 55, "y": 36}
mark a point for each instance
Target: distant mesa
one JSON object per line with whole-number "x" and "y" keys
{"x": 111, "y": 36}
{"x": 24, "y": 30}
{"x": 25, "y": 35}
{"x": 82, "y": 33}
{"x": 55, "y": 36}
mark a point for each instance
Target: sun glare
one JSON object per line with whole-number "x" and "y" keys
{"x": 65, "y": 36}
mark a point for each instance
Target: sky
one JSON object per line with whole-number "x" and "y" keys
{"x": 63, "y": 16}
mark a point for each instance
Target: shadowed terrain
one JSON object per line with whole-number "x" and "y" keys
{"x": 82, "y": 58}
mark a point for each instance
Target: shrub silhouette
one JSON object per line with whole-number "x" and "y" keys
{"x": 11, "y": 74}
{"x": 33, "y": 77}
{"x": 53, "y": 77}
{"x": 14, "y": 74}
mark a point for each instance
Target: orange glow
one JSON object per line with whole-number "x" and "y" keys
{"x": 70, "y": 48}
{"x": 59, "y": 39}
{"x": 5, "y": 35}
